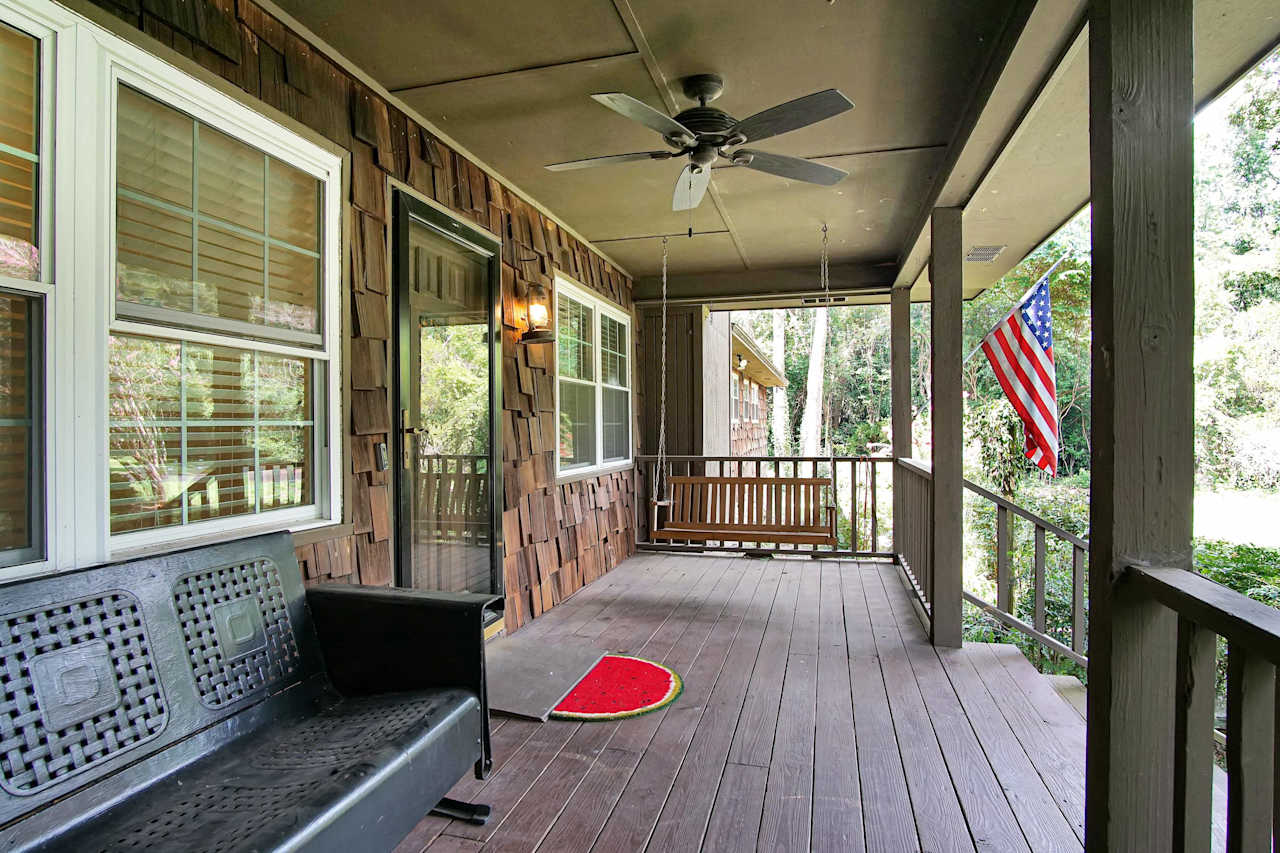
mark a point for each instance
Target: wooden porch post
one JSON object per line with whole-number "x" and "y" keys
{"x": 1141, "y": 109}
{"x": 900, "y": 400}
{"x": 946, "y": 263}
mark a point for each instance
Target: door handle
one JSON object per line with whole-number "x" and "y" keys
{"x": 407, "y": 432}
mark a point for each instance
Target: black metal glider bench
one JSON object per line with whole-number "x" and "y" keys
{"x": 203, "y": 701}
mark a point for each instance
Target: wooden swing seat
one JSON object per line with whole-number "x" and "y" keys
{"x": 789, "y": 510}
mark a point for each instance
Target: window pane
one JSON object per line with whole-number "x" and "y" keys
{"x": 576, "y": 340}
{"x": 577, "y": 424}
{"x": 215, "y": 259}
{"x": 613, "y": 351}
{"x": 294, "y": 290}
{"x": 154, "y": 154}
{"x": 153, "y": 256}
{"x": 21, "y": 536}
{"x": 19, "y": 175}
{"x": 295, "y": 206}
{"x": 232, "y": 180}
{"x": 230, "y": 271}
{"x": 200, "y": 432}
{"x": 617, "y": 431}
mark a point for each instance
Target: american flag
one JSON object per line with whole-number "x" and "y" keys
{"x": 1020, "y": 349}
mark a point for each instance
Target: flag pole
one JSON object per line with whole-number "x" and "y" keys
{"x": 978, "y": 348}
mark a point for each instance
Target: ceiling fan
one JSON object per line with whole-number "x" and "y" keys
{"x": 704, "y": 134}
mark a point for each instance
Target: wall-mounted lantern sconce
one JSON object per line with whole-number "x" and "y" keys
{"x": 742, "y": 362}
{"x": 538, "y": 311}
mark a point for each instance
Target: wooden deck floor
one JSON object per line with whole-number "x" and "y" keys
{"x": 815, "y": 716}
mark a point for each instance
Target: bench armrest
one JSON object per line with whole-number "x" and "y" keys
{"x": 380, "y": 640}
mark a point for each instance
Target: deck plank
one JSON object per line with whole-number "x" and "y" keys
{"x": 933, "y": 795}
{"x": 788, "y": 804}
{"x": 694, "y": 794}
{"x": 837, "y": 807}
{"x": 735, "y": 819}
{"x": 888, "y": 823}
{"x": 753, "y": 740}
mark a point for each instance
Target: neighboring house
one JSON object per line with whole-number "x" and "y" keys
{"x": 751, "y": 375}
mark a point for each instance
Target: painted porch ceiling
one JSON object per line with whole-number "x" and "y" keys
{"x": 510, "y": 82}
{"x": 1041, "y": 177}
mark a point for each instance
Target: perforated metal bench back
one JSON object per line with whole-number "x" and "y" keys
{"x": 103, "y": 667}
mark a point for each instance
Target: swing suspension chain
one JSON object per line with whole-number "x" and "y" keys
{"x": 824, "y": 273}
{"x": 660, "y": 479}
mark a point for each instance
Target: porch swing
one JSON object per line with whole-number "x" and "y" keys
{"x": 791, "y": 510}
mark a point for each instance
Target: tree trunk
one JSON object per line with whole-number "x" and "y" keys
{"x": 811, "y": 422}
{"x": 781, "y": 439}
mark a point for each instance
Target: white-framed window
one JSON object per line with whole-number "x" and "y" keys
{"x": 735, "y": 395}
{"x": 593, "y": 381}
{"x": 190, "y": 315}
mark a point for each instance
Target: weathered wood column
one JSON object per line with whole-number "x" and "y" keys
{"x": 946, "y": 276}
{"x": 900, "y": 400}
{"x": 1141, "y": 109}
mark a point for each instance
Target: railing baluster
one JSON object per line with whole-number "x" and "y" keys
{"x": 1004, "y": 584}
{"x": 1193, "y": 738}
{"x": 1251, "y": 720}
{"x": 875, "y": 533}
{"x": 1077, "y": 599}
{"x": 1039, "y": 580}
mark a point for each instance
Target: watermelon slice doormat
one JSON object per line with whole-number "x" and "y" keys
{"x": 620, "y": 686}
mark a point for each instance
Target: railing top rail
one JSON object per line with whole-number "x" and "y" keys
{"x": 915, "y": 466}
{"x": 1229, "y": 614}
{"x": 648, "y": 457}
{"x": 1027, "y": 514}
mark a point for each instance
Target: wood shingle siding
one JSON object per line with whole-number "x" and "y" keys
{"x": 558, "y": 537}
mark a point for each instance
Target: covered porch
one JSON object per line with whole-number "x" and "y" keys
{"x": 830, "y": 702}
{"x": 816, "y": 715}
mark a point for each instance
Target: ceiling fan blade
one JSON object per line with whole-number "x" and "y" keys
{"x": 691, "y": 186}
{"x": 637, "y": 110}
{"x": 792, "y": 167}
{"x": 793, "y": 115}
{"x": 608, "y": 160}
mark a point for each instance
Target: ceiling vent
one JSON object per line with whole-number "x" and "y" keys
{"x": 983, "y": 254}
{"x": 823, "y": 300}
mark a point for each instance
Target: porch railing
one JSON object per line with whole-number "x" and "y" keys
{"x": 914, "y": 532}
{"x": 860, "y": 486}
{"x": 1185, "y": 676}
{"x": 1049, "y": 540}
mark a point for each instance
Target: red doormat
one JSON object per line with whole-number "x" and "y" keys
{"x": 620, "y": 686}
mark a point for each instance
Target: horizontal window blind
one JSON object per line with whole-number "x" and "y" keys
{"x": 212, "y": 228}
{"x": 200, "y": 432}
{"x": 19, "y": 154}
{"x": 19, "y": 430}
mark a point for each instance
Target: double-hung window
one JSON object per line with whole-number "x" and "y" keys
{"x": 194, "y": 323}
{"x": 593, "y": 397}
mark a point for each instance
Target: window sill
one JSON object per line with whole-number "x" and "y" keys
{"x": 591, "y": 473}
{"x": 182, "y": 543}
